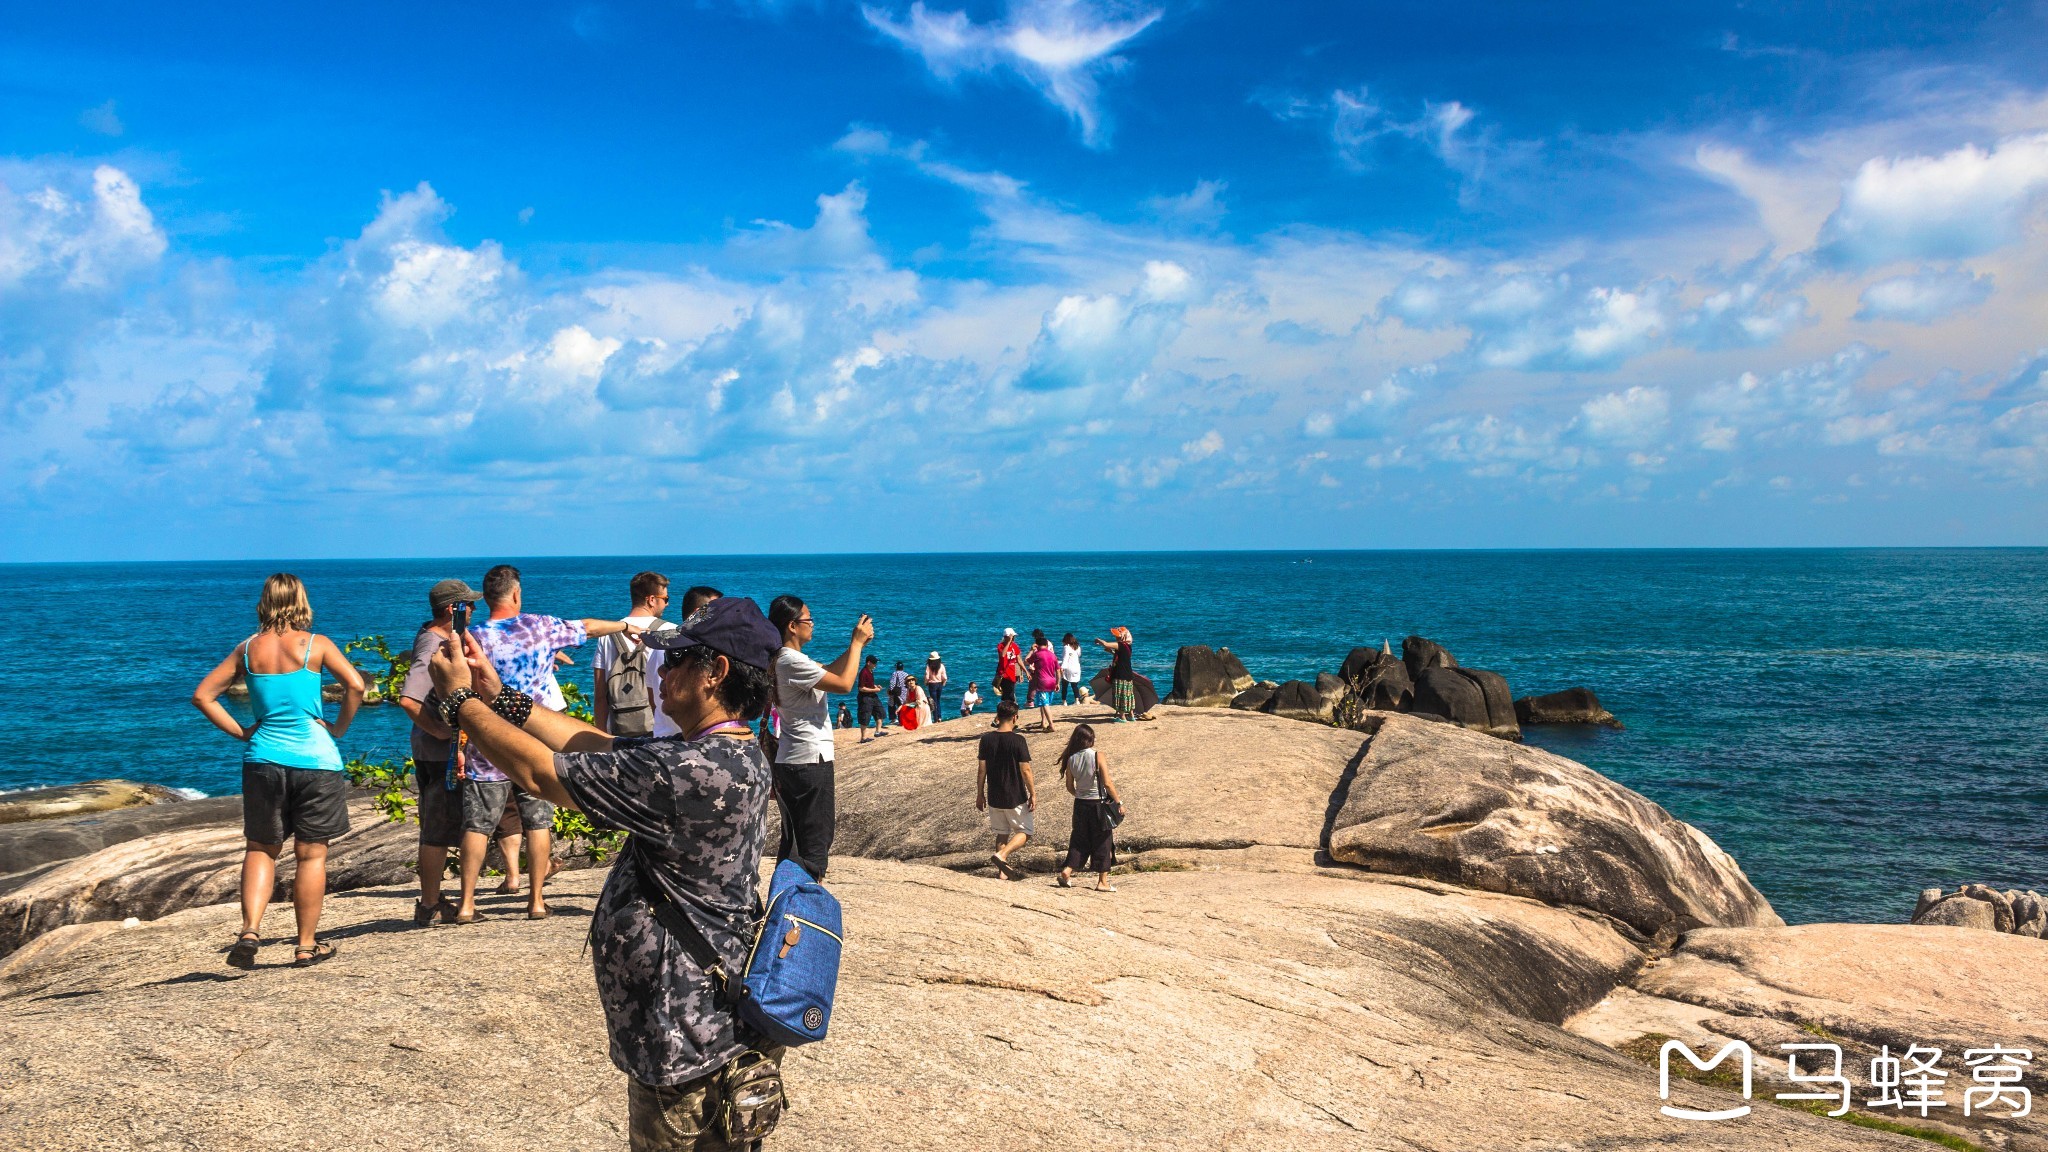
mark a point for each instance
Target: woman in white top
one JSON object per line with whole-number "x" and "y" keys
{"x": 1093, "y": 842}
{"x": 1070, "y": 670}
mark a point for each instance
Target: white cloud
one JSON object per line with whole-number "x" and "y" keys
{"x": 1060, "y": 47}
{"x": 1636, "y": 416}
{"x": 1200, "y": 207}
{"x": 1925, "y": 296}
{"x": 1109, "y": 340}
{"x": 1960, "y": 204}
{"x": 1534, "y": 321}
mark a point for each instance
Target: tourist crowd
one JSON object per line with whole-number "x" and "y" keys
{"x": 695, "y": 726}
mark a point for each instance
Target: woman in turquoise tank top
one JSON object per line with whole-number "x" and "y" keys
{"x": 292, "y": 778}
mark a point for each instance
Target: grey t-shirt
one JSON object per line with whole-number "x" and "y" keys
{"x": 806, "y": 736}
{"x": 1087, "y": 782}
{"x": 419, "y": 686}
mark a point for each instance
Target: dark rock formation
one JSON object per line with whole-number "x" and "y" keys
{"x": 1442, "y": 692}
{"x": 1571, "y": 706}
{"x": 1419, "y": 654}
{"x": 1300, "y": 700}
{"x": 1253, "y": 699}
{"x": 1985, "y": 908}
{"x": 1467, "y": 809}
{"x": 33, "y": 844}
{"x": 1379, "y": 680}
{"x": 1205, "y": 677}
{"x": 1500, "y": 702}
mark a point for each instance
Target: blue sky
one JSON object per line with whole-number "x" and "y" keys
{"x": 766, "y": 277}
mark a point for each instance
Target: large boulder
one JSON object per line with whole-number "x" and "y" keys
{"x": 1500, "y": 702}
{"x": 1253, "y": 698}
{"x": 1419, "y": 654}
{"x": 1431, "y": 800}
{"x": 1379, "y": 680}
{"x": 37, "y": 843}
{"x": 1571, "y": 706}
{"x": 1983, "y": 907}
{"x": 1312, "y": 1010}
{"x": 1205, "y": 677}
{"x": 1440, "y": 691}
{"x": 1315, "y": 701}
{"x": 79, "y": 799}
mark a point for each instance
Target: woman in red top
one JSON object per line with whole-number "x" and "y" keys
{"x": 1009, "y": 666}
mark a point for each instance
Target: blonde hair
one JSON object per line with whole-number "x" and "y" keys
{"x": 283, "y": 606}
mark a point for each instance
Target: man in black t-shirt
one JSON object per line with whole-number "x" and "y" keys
{"x": 1003, "y": 789}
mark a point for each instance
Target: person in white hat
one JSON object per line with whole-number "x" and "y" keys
{"x": 1009, "y": 666}
{"x": 935, "y": 684}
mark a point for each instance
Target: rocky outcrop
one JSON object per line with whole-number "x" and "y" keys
{"x": 1378, "y": 680}
{"x": 79, "y": 799}
{"x": 1315, "y": 701}
{"x": 1419, "y": 654}
{"x": 1300, "y": 1009}
{"x": 1430, "y": 800}
{"x": 1254, "y": 697}
{"x": 1862, "y": 987}
{"x": 1205, "y": 677}
{"x": 1571, "y": 706}
{"x": 1469, "y": 697}
{"x": 1986, "y": 908}
{"x": 32, "y": 845}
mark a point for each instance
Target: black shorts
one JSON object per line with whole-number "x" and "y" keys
{"x": 440, "y": 805}
{"x": 483, "y": 806}
{"x": 870, "y": 709}
{"x": 309, "y": 805}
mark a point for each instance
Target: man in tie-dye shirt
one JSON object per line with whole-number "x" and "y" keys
{"x": 521, "y": 646}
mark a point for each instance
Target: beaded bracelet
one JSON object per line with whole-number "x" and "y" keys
{"x": 513, "y": 706}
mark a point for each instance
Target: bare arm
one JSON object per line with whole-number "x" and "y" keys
{"x": 1106, "y": 645}
{"x": 427, "y": 719}
{"x": 981, "y": 785}
{"x": 521, "y": 754}
{"x": 335, "y": 664}
{"x": 840, "y": 674}
{"x": 596, "y": 628}
{"x": 1030, "y": 790}
{"x": 206, "y": 697}
{"x": 560, "y": 731}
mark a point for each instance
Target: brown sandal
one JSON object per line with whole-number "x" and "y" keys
{"x": 307, "y": 957}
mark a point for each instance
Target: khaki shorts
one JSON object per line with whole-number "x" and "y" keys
{"x": 1007, "y": 822}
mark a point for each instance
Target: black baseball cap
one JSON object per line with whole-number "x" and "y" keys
{"x": 730, "y": 625}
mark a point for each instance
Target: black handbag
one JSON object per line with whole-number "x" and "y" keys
{"x": 1112, "y": 811}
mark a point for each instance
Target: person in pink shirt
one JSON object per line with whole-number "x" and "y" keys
{"x": 1043, "y": 668}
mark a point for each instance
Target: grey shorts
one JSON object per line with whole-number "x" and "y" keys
{"x": 1007, "y": 822}
{"x": 483, "y": 805}
{"x": 440, "y": 806}
{"x": 309, "y": 805}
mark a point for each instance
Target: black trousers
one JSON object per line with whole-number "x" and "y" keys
{"x": 804, "y": 796}
{"x": 1092, "y": 847}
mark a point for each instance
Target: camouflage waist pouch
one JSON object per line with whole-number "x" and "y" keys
{"x": 751, "y": 1099}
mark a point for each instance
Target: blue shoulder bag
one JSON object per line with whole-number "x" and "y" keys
{"x": 785, "y": 992}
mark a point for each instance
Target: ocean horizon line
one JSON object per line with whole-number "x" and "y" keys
{"x": 1629, "y": 550}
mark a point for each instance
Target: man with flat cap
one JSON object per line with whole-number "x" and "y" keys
{"x": 696, "y": 804}
{"x": 433, "y": 748}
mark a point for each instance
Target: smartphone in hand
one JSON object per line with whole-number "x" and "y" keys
{"x": 461, "y": 620}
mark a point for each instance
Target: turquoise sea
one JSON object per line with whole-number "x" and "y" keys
{"x": 1852, "y": 725}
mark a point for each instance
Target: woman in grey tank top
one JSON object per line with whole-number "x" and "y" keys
{"x": 1092, "y": 846}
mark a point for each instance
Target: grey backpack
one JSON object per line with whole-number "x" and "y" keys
{"x": 625, "y": 687}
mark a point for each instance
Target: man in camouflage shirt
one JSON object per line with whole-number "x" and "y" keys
{"x": 696, "y": 805}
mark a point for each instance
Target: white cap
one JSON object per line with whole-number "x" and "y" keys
{"x": 933, "y": 656}
{"x": 1009, "y": 631}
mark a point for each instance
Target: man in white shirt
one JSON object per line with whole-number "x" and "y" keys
{"x": 650, "y": 601}
{"x": 803, "y": 759}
